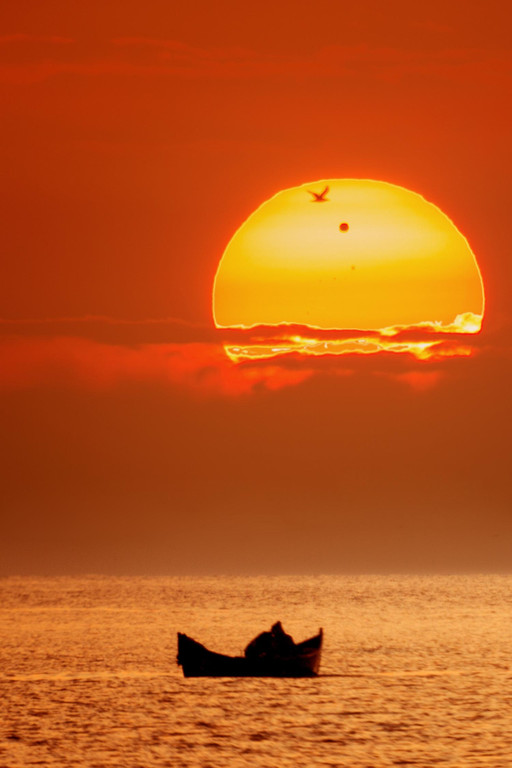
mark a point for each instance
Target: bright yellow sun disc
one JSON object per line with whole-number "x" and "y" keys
{"x": 349, "y": 254}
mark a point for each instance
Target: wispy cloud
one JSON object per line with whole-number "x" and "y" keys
{"x": 30, "y": 39}
{"x": 149, "y": 56}
{"x": 200, "y": 369}
{"x": 171, "y": 329}
{"x": 110, "y": 329}
{"x": 101, "y": 353}
{"x": 421, "y": 381}
{"x": 335, "y": 60}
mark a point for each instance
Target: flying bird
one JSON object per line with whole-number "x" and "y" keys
{"x": 319, "y": 197}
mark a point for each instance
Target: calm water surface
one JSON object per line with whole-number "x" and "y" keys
{"x": 415, "y": 671}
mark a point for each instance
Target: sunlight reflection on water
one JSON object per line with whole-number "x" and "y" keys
{"x": 415, "y": 670}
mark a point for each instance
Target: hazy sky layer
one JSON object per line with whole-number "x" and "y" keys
{"x": 136, "y": 138}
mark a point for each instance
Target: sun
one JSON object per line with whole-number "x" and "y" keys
{"x": 349, "y": 255}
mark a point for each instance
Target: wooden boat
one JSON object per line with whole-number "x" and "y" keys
{"x": 286, "y": 660}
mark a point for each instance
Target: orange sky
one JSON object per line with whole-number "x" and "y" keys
{"x": 136, "y": 138}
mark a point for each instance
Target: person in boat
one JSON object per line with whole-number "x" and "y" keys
{"x": 270, "y": 644}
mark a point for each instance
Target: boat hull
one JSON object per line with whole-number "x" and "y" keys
{"x": 197, "y": 661}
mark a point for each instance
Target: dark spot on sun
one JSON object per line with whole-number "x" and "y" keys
{"x": 343, "y": 226}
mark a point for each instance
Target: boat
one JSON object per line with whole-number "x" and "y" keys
{"x": 270, "y": 654}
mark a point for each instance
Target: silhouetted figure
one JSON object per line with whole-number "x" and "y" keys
{"x": 319, "y": 197}
{"x": 270, "y": 644}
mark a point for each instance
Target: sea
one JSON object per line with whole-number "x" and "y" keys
{"x": 416, "y": 671}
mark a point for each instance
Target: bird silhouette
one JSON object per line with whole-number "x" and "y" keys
{"x": 319, "y": 197}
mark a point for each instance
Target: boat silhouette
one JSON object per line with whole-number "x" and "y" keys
{"x": 270, "y": 654}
